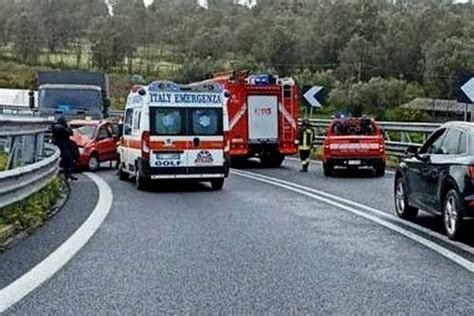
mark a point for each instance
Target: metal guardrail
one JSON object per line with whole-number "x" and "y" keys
{"x": 395, "y": 148}
{"x": 31, "y": 163}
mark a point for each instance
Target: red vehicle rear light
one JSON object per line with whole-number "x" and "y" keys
{"x": 146, "y": 145}
{"x": 470, "y": 173}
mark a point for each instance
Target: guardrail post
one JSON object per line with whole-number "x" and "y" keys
{"x": 11, "y": 162}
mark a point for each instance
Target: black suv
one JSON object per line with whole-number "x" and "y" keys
{"x": 439, "y": 178}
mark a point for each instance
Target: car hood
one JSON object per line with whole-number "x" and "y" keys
{"x": 80, "y": 139}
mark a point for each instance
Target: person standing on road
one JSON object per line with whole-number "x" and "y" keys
{"x": 305, "y": 144}
{"x": 62, "y": 138}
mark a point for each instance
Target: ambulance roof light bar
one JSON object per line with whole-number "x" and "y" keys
{"x": 168, "y": 86}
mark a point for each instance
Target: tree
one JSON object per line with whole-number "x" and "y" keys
{"x": 23, "y": 32}
{"x": 110, "y": 38}
{"x": 445, "y": 60}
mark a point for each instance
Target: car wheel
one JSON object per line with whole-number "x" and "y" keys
{"x": 217, "y": 184}
{"x": 328, "y": 170}
{"x": 122, "y": 174}
{"x": 403, "y": 209}
{"x": 451, "y": 218}
{"x": 93, "y": 164}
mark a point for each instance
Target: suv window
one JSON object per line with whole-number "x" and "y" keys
{"x": 451, "y": 142}
{"x": 353, "y": 127}
{"x": 434, "y": 143}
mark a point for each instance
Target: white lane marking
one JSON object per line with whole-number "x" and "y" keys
{"x": 39, "y": 274}
{"x": 320, "y": 163}
{"x": 378, "y": 212}
{"x": 468, "y": 265}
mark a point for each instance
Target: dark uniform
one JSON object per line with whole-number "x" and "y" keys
{"x": 62, "y": 138}
{"x": 306, "y": 140}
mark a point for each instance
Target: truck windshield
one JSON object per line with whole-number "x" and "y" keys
{"x": 186, "y": 121}
{"x": 67, "y": 100}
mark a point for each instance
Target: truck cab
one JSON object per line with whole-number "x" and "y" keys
{"x": 73, "y": 94}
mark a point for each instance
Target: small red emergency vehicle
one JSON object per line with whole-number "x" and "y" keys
{"x": 352, "y": 143}
{"x": 263, "y": 114}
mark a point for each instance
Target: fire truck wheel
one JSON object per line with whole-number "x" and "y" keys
{"x": 217, "y": 184}
{"x": 272, "y": 160}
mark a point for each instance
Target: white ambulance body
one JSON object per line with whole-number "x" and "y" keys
{"x": 173, "y": 131}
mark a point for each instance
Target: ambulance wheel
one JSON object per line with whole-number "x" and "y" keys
{"x": 140, "y": 182}
{"x": 121, "y": 173}
{"x": 217, "y": 184}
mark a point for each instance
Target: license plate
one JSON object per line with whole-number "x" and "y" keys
{"x": 168, "y": 156}
{"x": 354, "y": 162}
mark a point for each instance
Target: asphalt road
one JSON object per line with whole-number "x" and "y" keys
{"x": 252, "y": 248}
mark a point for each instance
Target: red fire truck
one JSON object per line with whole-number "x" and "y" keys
{"x": 263, "y": 113}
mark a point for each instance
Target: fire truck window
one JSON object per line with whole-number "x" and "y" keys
{"x": 167, "y": 121}
{"x": 206, "y": 121}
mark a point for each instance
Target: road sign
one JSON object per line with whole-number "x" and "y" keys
{"x": 466, "y": 95}
{"x": 314, "y": 96}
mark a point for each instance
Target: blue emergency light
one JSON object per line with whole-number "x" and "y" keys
{"x": 264, "y": 80}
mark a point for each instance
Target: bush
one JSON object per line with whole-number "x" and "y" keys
{"x": 3, "y": 161}
{"x": 34, "y": 209}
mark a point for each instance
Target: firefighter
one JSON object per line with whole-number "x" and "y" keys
{"x": 305, "y": 144}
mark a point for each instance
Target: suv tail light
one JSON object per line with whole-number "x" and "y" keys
{"x": 146, "y": 145}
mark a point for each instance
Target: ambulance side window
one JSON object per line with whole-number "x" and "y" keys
{"x": 127, "y": 123}
{"x": 137, "y": 113}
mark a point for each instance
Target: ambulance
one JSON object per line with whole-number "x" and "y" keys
{"x": 173, "y": 131}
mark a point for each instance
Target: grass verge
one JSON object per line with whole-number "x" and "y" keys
{"x": 34, "y": 210}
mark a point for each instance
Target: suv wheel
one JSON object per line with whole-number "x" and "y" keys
{"x": 93, "y": 164}
{"x": 328, "y": 170}
{"x": 403, "y": 209}
{"x": 451, "y": 218}
{"x": 380, "y": 170}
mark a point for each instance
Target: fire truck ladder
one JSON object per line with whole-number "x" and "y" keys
{"x": 289, "y": 124}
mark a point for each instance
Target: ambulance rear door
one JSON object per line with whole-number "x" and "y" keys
{"x": 205, "y": 127}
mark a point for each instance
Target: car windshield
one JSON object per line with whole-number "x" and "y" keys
{"x": 85, "y": 130}
{"x": 354, "y": 127}
{"x": 67, "y": 100}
